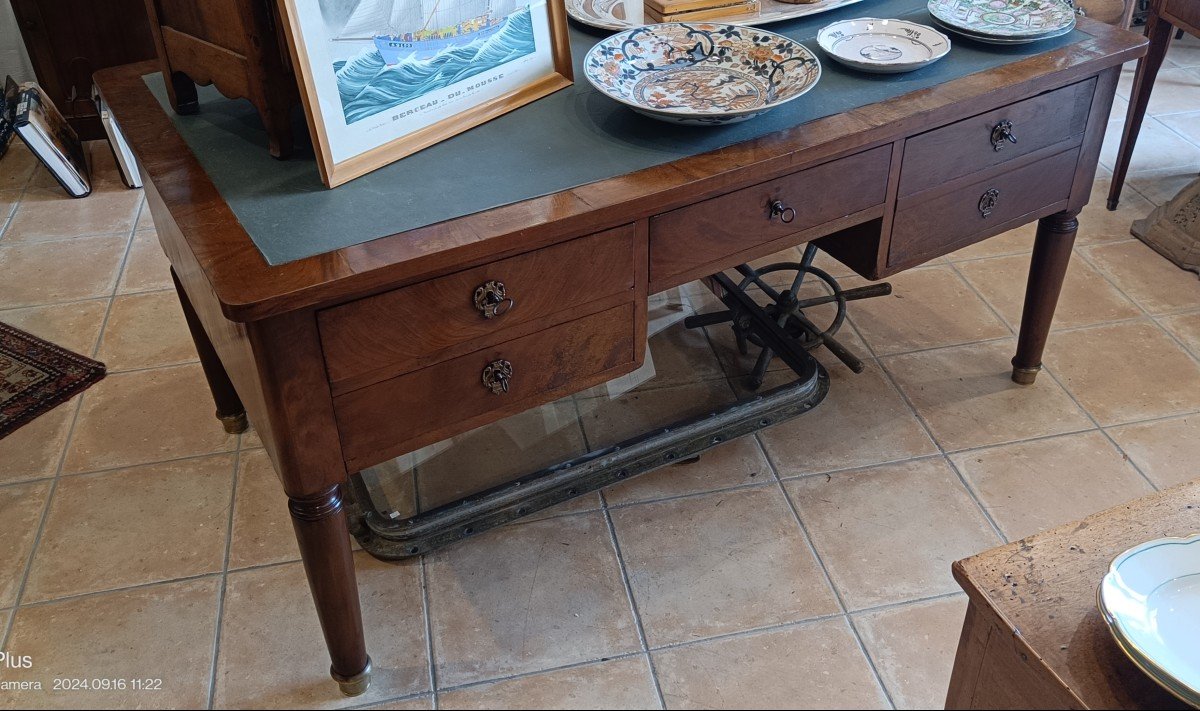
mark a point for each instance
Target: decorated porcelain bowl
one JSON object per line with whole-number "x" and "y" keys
{"x": 701, "y": 73}
{"x": 883, "y": 46}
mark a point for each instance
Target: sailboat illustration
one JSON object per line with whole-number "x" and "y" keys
{"x": 421, "y": 29}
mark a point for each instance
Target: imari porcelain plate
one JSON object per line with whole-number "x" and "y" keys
{"x": 883, "y": 46}
{"x": 1150, "y": 599}
{"x": 627, "y": 14}
{"x": 701, "y": 73}
{"x": 1004, "y": 18}
{"x": 989, "y": 39}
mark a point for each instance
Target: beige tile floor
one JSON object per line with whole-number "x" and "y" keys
{"x": 807, "y": 566}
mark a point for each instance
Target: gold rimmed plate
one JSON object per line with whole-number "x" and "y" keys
{"x": 1150, "y": 600}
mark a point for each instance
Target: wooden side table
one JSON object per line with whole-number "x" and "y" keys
{"x": 1165, "y": 16}
{"x": 1033, "y": 637}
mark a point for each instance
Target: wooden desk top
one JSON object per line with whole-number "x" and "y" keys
{"x": 1044, "y": 589}
{"x": 206, "y": 243}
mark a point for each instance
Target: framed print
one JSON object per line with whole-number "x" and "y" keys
{"x": 382, "y": 79}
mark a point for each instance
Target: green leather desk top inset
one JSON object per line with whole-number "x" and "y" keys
{"x": 567, "y": 139}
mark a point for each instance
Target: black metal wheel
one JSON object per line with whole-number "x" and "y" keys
{"x": 788, "y": 309}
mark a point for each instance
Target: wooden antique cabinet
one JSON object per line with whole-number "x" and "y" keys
{"x": 69, "y": 40}
{"x": 335, "y": 357}
{"x": 1047, "y": 646}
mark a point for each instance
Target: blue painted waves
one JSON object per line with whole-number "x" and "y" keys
{"x": 368, "y": 85}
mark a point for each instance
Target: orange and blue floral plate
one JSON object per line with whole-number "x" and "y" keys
{"x": 701, "y": 73}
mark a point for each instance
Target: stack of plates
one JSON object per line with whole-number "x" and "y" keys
{"x": 1004, "y": 21}
{"x": 1150, "y": 600}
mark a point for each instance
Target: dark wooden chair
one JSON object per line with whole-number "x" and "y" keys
{"x": 235, "y": 45}
{"x": 1166, "y": 18}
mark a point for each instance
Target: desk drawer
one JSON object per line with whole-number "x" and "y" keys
{"x": 926, "y": 229}
{"x": 451, "y": 397}
{"x": 707, "y": 233}
{"x": 965, "y": 147}
{"x": 374, "y": 338}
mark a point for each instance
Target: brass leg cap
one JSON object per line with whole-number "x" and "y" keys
{"x": 1025, "y": 376}
{"x": 356, "y": 685}
{"x": 234, "y": 424}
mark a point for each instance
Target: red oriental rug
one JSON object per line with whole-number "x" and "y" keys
{"x": 36, "y": 375}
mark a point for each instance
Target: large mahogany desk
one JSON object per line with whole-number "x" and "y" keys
{"x": 326, "y": 351}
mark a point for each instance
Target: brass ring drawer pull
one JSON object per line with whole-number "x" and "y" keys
{"x": 1002, "y": 132}
{"x": 783, "y": 212}
{"x": 496, "y": 376}
{"x": 492, "y": 300}
{"x": 987, "y": 201}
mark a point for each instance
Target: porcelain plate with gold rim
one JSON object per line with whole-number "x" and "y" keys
{"x": 1150, "y": 600}
{"x": 701, "y": 73}
{"x": 883, "y": 46}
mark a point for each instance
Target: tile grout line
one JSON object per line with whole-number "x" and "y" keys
{"x": 86, "y": 299}
{"x": 57, "y": 239}
{"x": 216, "y": 648}
{"x": 991, "y": 309}
{"x": 1096, "y": 424}
{"x": 388, "y": 700}
{"x": 136, "y": 465}
{"x": 928, "y": 433}
{"x": 639, "y": 626}
{"x": 887, "y": 374}
{"x": 1177, "y": 133}
{"x": 142, "y": 369}
{"x": 1147, "y": 315}
{"x": 837, "y": 593}
{"x": 42, "y": 305}
{"x": 1194, "y": 352}
{"x": 974, "y": 495}
{"x": 41, "y": 527}
{"x": 825, "y": 569}
{"x": 548, "y": 670}
{"x": 765, "y": 629}
{"x": 1113, "y": 442}
{"x": 427, "y": 613}
{"x": 1121, "y": 450}
{"x": 142, "y": 586}
{"x": 10, "y": 217}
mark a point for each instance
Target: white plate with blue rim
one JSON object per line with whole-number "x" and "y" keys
{"x": 1150, "y": 600}
{"x": 883, "y": 46}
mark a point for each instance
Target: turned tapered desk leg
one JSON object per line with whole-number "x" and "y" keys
{"x": 230, "y": 410}
{"x": 1159, "y": 32}
{"x": 321, "y": 529}
{"x": 1051, "y": 255}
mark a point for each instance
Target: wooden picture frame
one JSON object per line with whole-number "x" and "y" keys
{"x": 334, "y": 49}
